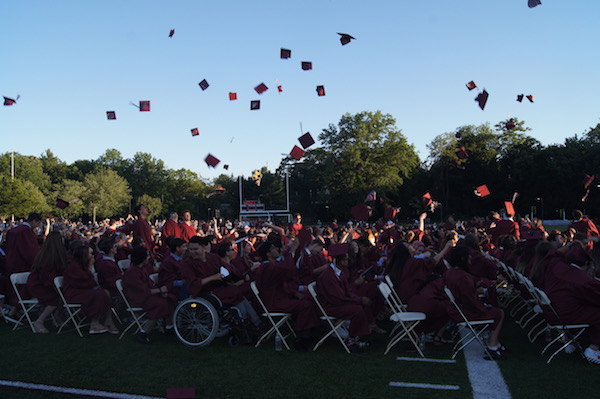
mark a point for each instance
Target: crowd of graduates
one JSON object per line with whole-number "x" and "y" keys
{"x": 347, "y": 262}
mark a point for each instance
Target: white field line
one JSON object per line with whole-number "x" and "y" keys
{"x": 73, "y": 391}
{"x": 425, "y": 359}
{"x": 425, "y": 386}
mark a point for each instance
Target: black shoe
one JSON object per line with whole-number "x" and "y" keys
{"x": 503, "y": 349}
{"x": 496, "y": 354}
{"x": 169, "y": 331}
{"x": 142, "y": 337}
{"x": 356, "y": 349}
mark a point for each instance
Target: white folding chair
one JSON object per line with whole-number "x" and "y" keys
{"x": 405, "y": 321}
{"x": 388, "y": 281}
{"x": 137, "y": 313}
{"x": 73, "y": 309}
{"x": 334, "y": 323}
{"x": 154, "y": 278}
{"x": 564, "y": 330}
{"x": 2, "y": 307}
{"x": 27, "y": 305}
{"x": 474, "y": 329}
{"x": 124, "y": 264}
{"x": 277, "y": 320}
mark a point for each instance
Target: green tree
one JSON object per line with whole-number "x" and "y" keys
{"x": 155, "y": 205}
{"x": 71, "y": 191}
{"x": 146, "y": 175}
{"x": 27, "y": 168}
{"x": 56, "y": 169}
{"x": 106, "y": 191}
{"x": 20, "y": 197}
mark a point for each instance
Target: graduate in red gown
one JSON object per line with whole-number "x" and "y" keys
{"x": 106, "y": 267}
{"x": 169, "y": 273}
{"x": 187, "y": 228}
{"x": 201, "y": 267}
{"x": 140, "y": 291}
{"x": 583, "y": 225}
{"x": 311, "y": 263}
{"x": 48, "y": 264}
{"x": 80, "y": 287}
{"x": 171, "y": 228}
{"x": 140, "y": 227}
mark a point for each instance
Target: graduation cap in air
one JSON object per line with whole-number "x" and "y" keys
{"x": 297, "y": 153}
{"x": 458, "y": 135}
{"x": 482, "y": 191}
{"x": 510, "y": 124}
{"x": 285, "y": 54}
{"x": 529, "y": 97}
{"x": 172, "y": 32}
{"x": 306, "y": 140}
{"x": 111, "y": 115}
{"x": 232, "y": 96}
{"x": 226, "y": 167}
{"x": 510, "y": 209}
{"x": 211, "y": 160}
{"x": 203, "y": 85}
{"x": 261, "y": 88}
{"x": 144, "y": 106}
{"x": 61, "y": 204}
{"x": 279, "y": 88}
{"x": 459, "y": 165}
{"x": 10, "y": 101}
{"x": 588, "y": 180}
{"x": 471, "y": 85}
{"x": 361, "y": 212}
{"x": 533, "y": 3}
{"x": 461, "y": 153}
{"x": 306, "y": 65}
{"x": 390, "y": 212}
{"x": 254, "y": 105}
{"x": 345, "y": 38}
{"x": 520, "y": 97}
{"x": 482, "y": 99}
{"x": 320, "y": 91}
{"x": 195, "y": 132}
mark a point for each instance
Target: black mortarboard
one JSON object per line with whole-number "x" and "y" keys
{"x": 172, "y": 32}
{"x": 261, "y": 88}
{"x": 306, "y": 66}
{"x": 226, "y": 167}
{"x": 61, "y": 204}
{"x": 529, "y": 97}
{"x": 111, "y": 115}
{"x": 285, "y": 53}
{"x": 306, "y": 140}
{"x": 345, "y": 38}
{"x": 195, "y": 131}
{"x": 471, "y": 85}
{"x": 461, "y": 153}
{"x": 144, "y": 106}
{"x": 533, "y": 3}
{"x": 9, "y": 101}
{"x": 482, "y": 99}
{"x": 254, "y": 105}
{"x": 211, "y": 160}
{"x": 320, "y": 91}
{"x": 520, "y": 97}
{"x": 203, "y": 85}
{"x": 510, "y": 124}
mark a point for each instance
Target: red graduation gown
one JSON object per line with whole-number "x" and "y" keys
{"x": 415, "y": 271}
{"x": 108, "y": 274}
{"x": 136, "y": 287}
{"x": 79, "y": 286}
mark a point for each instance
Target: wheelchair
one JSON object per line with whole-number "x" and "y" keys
{"x": 198, "y": 321}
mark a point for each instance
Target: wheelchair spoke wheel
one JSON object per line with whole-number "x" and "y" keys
{"x": 196, "y": 322}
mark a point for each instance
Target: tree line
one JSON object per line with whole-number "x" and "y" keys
{"x": 361, "y": 153}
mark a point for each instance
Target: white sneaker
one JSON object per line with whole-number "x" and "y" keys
{"x": 592, "y": 355}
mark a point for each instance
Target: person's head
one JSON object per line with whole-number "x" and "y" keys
{"x": 177, "y": 246}
{"x": 141, "y": 211}
{"x": 577, "y": 214}
{"x": 173, "y": 216}
{"x": 187, "y": 216}
{"x": 139, "y": 255}
{"x": 53, "y": 254}
{"x": 460, "y": 256}
{"x": 225, "y": 250}
{"x": 108, "y": 246}
{"x": 34, "y": 219}
{"x": 270, "y": 249}
{"x": 315, "y": 246}
{"x": 472, "y": 241}
{"x": 198, "y": 247}
{"x": 297, "y": 217}
{"x": 138, "y": 242}
{"x": 400, "y": 255}
{"x": 82, "y": 255}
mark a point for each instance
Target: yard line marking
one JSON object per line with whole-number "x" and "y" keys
{"x": 425, "y": 386}
{"x": 485, "y": 375}
{"x": 74, "y": 391}
{"x": 425, "y": 359}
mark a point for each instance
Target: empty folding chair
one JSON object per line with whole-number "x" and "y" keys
{"x": 137, "y": 313}
{"x": 388, "y": 281}
{"x": 333, "y": 323}
{"x": 276, "y": 319}
{"x": 73, "y": 309}
{"x": 27, "y": 305}
{"x": 473, "y": 329}
{"x": 405, "y": 321}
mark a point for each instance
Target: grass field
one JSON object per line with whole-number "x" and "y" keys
{"x": 218, "y": 371}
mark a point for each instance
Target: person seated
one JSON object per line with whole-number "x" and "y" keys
{"x": 311, "y": 263}
{"x": 106, "y": 267}
{"x": 466, "y": 292}
{"x": 169, "y": 272}
{"x": 336, "y": 295}
{"x": 80, "y": 287}
{"x": 582, "y": 224}
{"x": 140, "y": 291}
{"x": 49, "y": 263}
{"x": 433, "y": 301}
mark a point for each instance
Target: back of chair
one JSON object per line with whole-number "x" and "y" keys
{"x": 257, "y": 295}
{"x": 19, "y": 278}
{"x": 154, "y": 277}
{"x": 119, "y": 285}
{"x": 58, "y": 284}
{"x": 388, "y": 281}
{"x": 388, "y": 294}
{"x": 124, "y": 264}
{"x": 313, "y": 293}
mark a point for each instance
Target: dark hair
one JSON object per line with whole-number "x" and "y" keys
{"x": 200, "y": 240}
{"x": 541, "y": 250}
{"x": 139, "y": 255}
{"x": 81, "y": 255}
{"x": 175, "y": 243}
{"x": 459, "y": 257}
{"x": 138, "y": 242}
{"x": 106, "y": 244}
{"x": 472, "y": 242}
{"x": 34, "y": 217}
{"x": 399, "y": 257}
{"x": 52, "y": 255}
{"x": 265, "y": 247}
{"x": 223, "y": 247}
{"x": 137, "y": 208}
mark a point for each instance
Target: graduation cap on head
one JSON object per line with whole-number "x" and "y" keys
{"x": 306, "y": 140}
{"x": 320, "y": 91}
{"x": 520, "y": 97}
{"x": 211, "y": 160}
{"x": 172, "y": 32}
{"x": 529, "y": 97}
{"x": 144, "y": 106}
{"x": 297, "y": 153}
{"x": 461, "y": 153}
{"x": 285, "y": 53}
{"x": 195, "y": 132}
{"x": 9, "y": 101}
{"x": 533, "y": 3}
{"x": 203, "y": 85}
{"x": 510, "y": 124}
{"x": 254, "y": 105}
{"x": 482, "y": 99}
{"x": 261, "y": 88}
{"x": 482, "y": 191}
{"x": 360, "y": 212}
{"x": 510, "y": 209}
{"x": 232, "y": 96}
{"x": 61, "y": 204}
{"x": 336, "y": 250}
{"x": 345, "y": 38}
{"x": 306, "y": 66}
{"x": 111, "y": 115}
{"x": 471, "y": 85}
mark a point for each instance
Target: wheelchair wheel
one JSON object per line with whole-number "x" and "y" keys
{"x": 233, "y": 340}
{"x": 196, "y": 322}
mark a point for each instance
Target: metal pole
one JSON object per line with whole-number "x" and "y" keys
{"x": 12, "y": 174}
{"x": 94, "y": 218}
{"x": 287, "y": 190}
{"x": 240, "y": 192}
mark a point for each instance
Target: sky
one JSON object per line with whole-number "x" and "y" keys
{"x": 72, "y": 60}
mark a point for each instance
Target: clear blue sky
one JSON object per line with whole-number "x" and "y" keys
{"x": 72, "y": 60}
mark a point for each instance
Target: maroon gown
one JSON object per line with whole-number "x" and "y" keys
{"x": 136, "y": 287}
{"x": 79, "y": 286}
